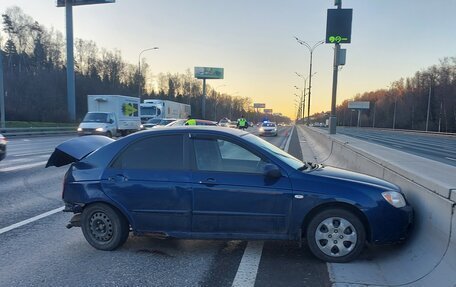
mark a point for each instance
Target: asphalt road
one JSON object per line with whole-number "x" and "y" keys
{"x": 45, "y": 253}
{"x": 436, "y": 147}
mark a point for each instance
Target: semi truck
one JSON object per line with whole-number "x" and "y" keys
{"x": 161, "y": 109}
{"x": 110, "y": 115}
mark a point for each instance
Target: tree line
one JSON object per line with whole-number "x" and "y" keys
{"x": 406, "y": 102}
{"x": 34, "y": 63}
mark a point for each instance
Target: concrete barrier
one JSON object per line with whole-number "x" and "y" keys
{"x": 428, "y": 258}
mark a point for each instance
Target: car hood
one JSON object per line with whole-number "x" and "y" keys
{"x": 345, "y": 175}
{"x": 76, "y": 149}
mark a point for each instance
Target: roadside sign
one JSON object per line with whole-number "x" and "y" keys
{"x": 267, "y": 111}
{"x": 339, "y": 26}
{"x": 358, "y": 105}
{"x": 61, "y": 3}
{"x": 259, "y": 105}
{"x": 208, "y": 73}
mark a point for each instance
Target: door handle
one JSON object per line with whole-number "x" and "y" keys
{"x": 118, "y": 178}
{"x": 209, "y": 181}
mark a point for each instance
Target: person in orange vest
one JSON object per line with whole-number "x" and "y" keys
{"x": 190, "y": 121}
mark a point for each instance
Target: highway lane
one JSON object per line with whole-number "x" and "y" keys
{"x": 436, "y": 147}
{"x": 45, "y": 253}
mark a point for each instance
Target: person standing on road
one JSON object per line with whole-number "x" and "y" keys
{"x": 242, "y": 123}
{"x": 190, "y": 121}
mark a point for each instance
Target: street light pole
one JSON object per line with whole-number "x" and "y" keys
{"x": 311, "y": 49}
{"x": 139, "y": 68}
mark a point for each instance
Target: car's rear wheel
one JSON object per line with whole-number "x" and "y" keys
{"x": 109, "y": 134}
{"x": 104, "y": 227}
{"x": 336, "y": 235}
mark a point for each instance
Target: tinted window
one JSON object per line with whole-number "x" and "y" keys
{"x": 96, "y": 117}
{"x": 221, "y": 155}
{"x": 157, "y": 153}
{"x": 268, "y": 125}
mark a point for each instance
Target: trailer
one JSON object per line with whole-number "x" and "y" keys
{"x": 161, "y": 109}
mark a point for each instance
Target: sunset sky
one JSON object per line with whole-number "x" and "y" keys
{"x": 253, "y": 41}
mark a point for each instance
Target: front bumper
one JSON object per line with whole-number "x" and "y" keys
{"x": 394, "y": 227}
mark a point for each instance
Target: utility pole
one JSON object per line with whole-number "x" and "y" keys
{"x": 428, "y": 106}
{"x": 2, "y": 93}
{"x": 71, "y": 90}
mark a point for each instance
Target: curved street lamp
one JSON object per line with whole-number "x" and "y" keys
{"x": 311, "y": 49}
{"x": 139, "y": 68}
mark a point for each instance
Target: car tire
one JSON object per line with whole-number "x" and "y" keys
{"x": 104, "y": 227}
{"x": 109, "y": 134}
{"x": 336, "y": 235}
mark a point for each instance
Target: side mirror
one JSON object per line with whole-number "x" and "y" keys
{"x": 272, "y": 171}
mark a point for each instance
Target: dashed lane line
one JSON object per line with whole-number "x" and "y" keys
{"x": 23, "y": 166}
{"x": 248, "y": 268}
{"x": 30, "y": 220}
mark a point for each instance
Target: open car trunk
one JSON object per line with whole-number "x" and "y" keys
{"x": 76, "y": 149}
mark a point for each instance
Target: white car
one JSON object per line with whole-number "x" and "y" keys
{"x": 2, "y": 147}
{"x": 268, "y": 129}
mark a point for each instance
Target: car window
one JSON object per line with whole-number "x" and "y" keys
{"x": 154, "y": 153}
{"x": 225, "y": 156}
{"x": 268, "y": 125}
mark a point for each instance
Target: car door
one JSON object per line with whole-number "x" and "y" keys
{"x": 151, "y": 179}
{"x": 231, "y": 196}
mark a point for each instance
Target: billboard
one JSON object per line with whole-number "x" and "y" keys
{"x": 339, "y": 26}
{"x": 358, "y": 105}
{"x": 208, "y": 73}
{"x": 259, "y": 105}
{"x": 61, "y": 3}
{"x": 267, "y": 111}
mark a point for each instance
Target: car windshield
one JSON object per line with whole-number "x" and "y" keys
{"x": 272, "y": 125}
{"x": 164, "y": 122}
{"x": 285, "y": 157}
{"x": 153, "y": 121}
{"x": 148, "y": 111}
{"x": 95, "y": 118}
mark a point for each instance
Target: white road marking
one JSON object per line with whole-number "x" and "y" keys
{"x": 450, "y": 158}
{"x": 248, "y": 268}
{"x": 26, "y": 159}
{"x": 30, "y": 220}
{"x": 46, "y": 152}
{"x": 24, "y": 166}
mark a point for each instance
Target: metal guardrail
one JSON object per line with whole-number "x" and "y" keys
{"x": 37, "y": 131}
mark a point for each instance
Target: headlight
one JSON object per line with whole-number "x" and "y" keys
{"x": 141, "y": 126}
{"x": 394, "y": 198}
{"x": 79, "y": 129}
{"x": 99, "y": 129}
{"x": 261, "y": 130}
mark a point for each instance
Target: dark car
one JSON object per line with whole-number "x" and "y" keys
{"x": 214, "y": 183}
{"x": 2, "y": 147}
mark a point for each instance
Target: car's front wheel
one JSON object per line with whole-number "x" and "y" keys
{"x": 336, "y": 235}
{"x": 104, "y": 227}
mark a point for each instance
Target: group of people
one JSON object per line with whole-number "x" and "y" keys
{"x": 241, "y": 122}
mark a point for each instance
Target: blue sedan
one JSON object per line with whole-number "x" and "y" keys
{"x": 213, "y": 183}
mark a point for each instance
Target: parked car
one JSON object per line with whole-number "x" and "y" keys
{"x": 198, "y": 123}
{"x": 150, "y": 124}
{"x": 2, "y": 147}
{"x": 268, "y": 129}
{"x": 213, "y": 183}
{"x": 165, "y": 122}
{"x": 224, "y": 122}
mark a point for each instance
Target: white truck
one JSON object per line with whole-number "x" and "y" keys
{"x": 111, "y": 115}
{"x": 161, "y": 109}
